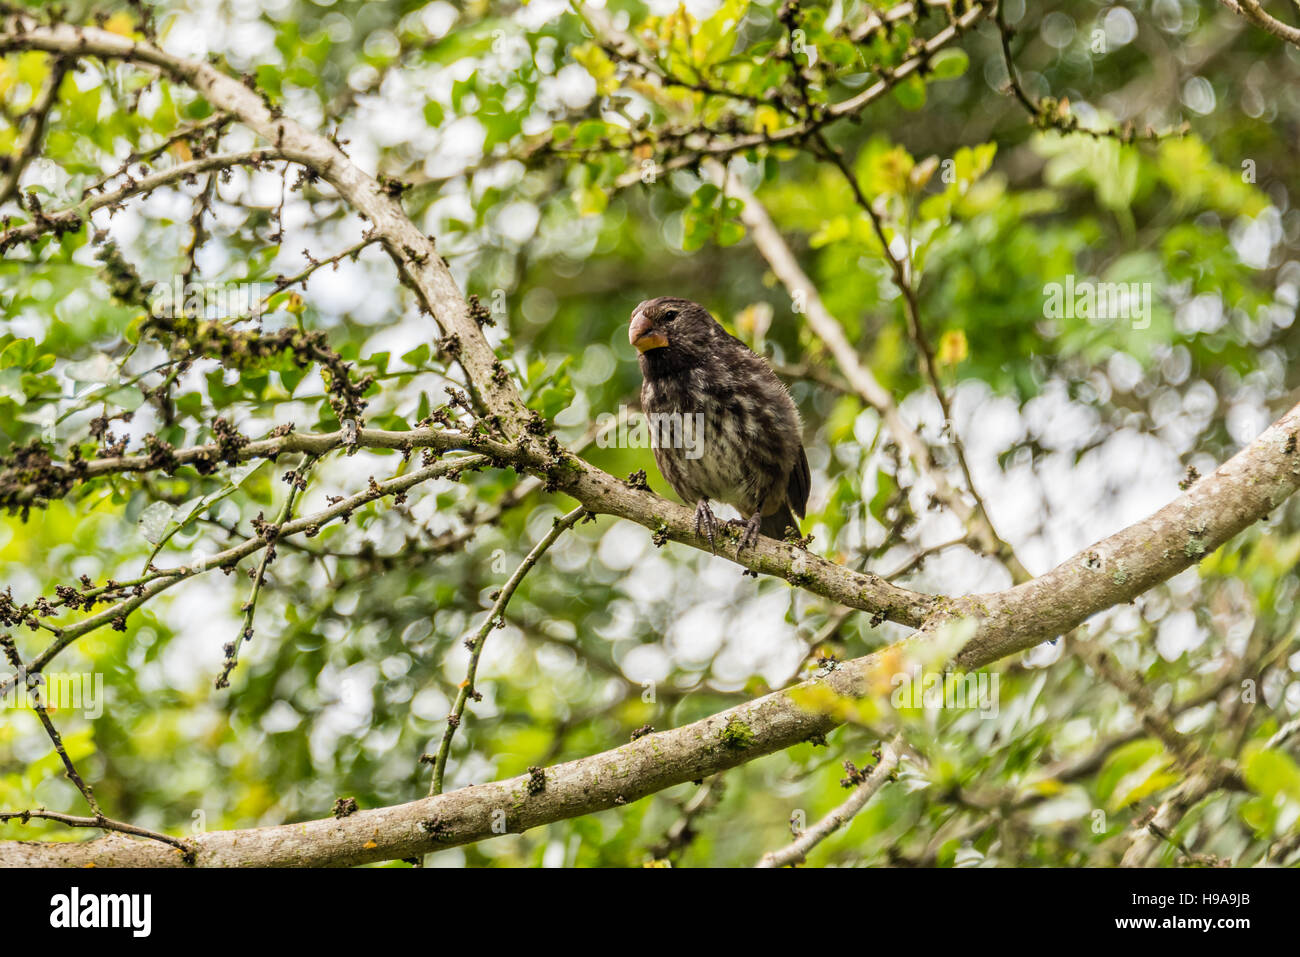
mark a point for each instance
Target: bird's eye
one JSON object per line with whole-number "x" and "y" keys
{"x": 668, "y": 316}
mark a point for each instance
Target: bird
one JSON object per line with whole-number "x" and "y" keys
{"x": 722, "y": 425}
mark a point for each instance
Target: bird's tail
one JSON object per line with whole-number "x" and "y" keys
{"x": 774, "y": 526}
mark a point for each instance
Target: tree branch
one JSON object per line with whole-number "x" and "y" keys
{"x": 1243, "y": 490}
{"x": 1252, "y": 11}
{"x": 74, "y": 217}
{"x": 797, "y": 850}
{"x": 29, "y": 143}
{"x": 418, "y": 262}
{"x": 728, "y": 146}
{"x": 476, "y": 641}
{"x": 786, "y": 267}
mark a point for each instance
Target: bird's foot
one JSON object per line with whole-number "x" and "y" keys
{"x": 705, "y": 524}
{"x": 749, "y": 537}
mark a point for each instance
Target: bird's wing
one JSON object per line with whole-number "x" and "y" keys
{"x": 800, "y": 484}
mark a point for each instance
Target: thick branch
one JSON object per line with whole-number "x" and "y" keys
{"x": 1241, "y": 491}
{"x": 599, "y": 491}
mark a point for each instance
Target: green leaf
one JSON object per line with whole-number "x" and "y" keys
{"x": 290, "y": 378}
{"x": 128, "y": 397}
{"x": 911, "y": 93}
{"x": 1271, "y": 773}
{"x": 19, "y": 353}
{"x": 948, "y": 63}
{"x": 418, "y": 356}
{"x": 98, "y": 368}
{"x": 154, "y": 520}
{"x": 1133, "y": 772}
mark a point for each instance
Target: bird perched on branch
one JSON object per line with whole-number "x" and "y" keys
{"x": 722, "y": 425}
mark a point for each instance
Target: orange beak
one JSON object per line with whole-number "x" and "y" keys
{"x": 642, "y": 334}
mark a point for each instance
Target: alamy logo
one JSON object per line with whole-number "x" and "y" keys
{"x": 933, "y": 690}
{"x": 629, "y": 429}
{"x": 1098, "y": 301}
{"x": 58, "y": 691}
{"x": 204, "y": 300}
{"x": 74, "y": 909}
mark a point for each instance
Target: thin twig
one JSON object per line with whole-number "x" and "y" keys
{"x": 1049, "y": 113}
{"x": 476, "y": 641}
{"x": 105, "y": 824}
{"x": 797, "y": 850}
{"x": 297, "y": 480}
{"x": 284, "y": 282}
{"x": 29, "y": 143}
{"x": 1252, "y": 11}
{"x": 99, "y": 820}
{"x": 74, "y": 217}
{"x": 216, "y": 120}
{"x": 158, "y": 581}
{"x": 988, "y": 536}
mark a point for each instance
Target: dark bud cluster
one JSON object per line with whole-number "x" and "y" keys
{"x": 479, "y": 312}
{"x": 249, "y": 349}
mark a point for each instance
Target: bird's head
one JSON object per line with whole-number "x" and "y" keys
{"x": 672, "y": 332}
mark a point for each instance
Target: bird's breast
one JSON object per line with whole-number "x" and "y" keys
{"x": 712, "y": 443}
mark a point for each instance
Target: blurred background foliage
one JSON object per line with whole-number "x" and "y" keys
{"x": 525, "y": 144}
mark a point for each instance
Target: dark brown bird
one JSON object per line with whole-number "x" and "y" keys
{"x": 722, "y": 425}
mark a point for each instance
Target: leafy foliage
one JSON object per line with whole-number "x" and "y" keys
{"x": 558, "y": 154}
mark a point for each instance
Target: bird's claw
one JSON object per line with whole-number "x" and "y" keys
{"x": 749, "y": 537}
{"x": 705, "y": 524}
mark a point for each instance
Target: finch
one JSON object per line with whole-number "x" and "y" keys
{"x": 722, "y": 425}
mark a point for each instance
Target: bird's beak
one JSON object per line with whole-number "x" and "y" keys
{"x": 642, "y": 334}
